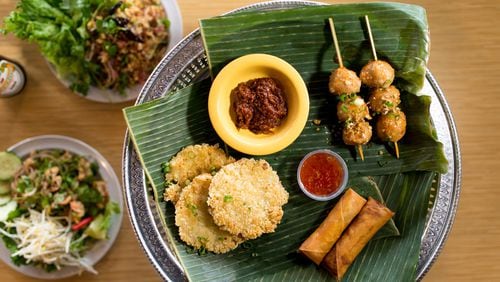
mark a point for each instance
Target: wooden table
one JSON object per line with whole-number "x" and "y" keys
{"x": 465, "y": 58}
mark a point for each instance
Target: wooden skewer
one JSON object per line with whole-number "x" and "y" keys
{"x": 370, "y": 36}
{"x": 341, "y": 64}
{"x": 374, "y": 52}
{"x": 396, "y": 147}
{"x": 335, "y": 42}
{"x": 360, "y": 150}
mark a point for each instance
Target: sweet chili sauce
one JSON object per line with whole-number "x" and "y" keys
{"x": 321, "y": 174}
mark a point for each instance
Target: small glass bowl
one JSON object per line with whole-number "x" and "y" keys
{"x": 343, "y": 182}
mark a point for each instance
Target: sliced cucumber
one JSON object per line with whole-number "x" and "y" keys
{"x": 4, "y": 187}
{"x": 9, "y": 164}
{"x": 6, "y": 209}
{"x": 4, "y": 199}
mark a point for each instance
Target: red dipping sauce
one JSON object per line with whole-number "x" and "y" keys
{"x": 322, "y": 173}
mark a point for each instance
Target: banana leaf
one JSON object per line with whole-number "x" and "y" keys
{"x": 302, "y": 37}
{"x": 160, "y": 128}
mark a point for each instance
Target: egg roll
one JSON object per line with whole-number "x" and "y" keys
{"x": 369, "y": 220}
{"x": 317, "y": 245}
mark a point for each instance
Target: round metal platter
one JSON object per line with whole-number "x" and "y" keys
{"x": 186, "y": 63}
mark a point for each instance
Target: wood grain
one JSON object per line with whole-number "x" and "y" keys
{"x": 465, "y": 59}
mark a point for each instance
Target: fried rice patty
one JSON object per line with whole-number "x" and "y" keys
{"x": 246, "y": 198}
{"x": 191, "y": 161}
{"x": 196, "y": 226}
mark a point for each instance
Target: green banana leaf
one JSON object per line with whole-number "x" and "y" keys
{"x": 160, "y": 128}
{"x": 367, "y": 187}
{"x": 302, "y": 37}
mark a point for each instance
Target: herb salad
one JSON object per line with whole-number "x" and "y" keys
{"x": 108, "y": 44}
{"x": 56, "y": 207}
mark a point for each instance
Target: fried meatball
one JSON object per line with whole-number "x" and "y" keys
{"x": 344, "y": 81}
{"x": 352, "y": 109}
{"x": 392, "y": 126}
{"x": 357, "y": 133}
{"x": 384, "y": 100}
{"x": 377, "y": 74}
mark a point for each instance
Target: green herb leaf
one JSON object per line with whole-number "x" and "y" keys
{"x": 166, "y": 23}
{"x": 344, "y": 108}
{"x": 88, "y": 195}
{"x": 165, "y": 167}
{"x": 193, "y": 209}
{"x": 111, "y": 48}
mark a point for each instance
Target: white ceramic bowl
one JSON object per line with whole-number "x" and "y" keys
{"x": 97, "y": 251}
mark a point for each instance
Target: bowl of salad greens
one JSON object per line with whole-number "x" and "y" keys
{"x": 60, "y": 207}
{"x": 103, "y": 50}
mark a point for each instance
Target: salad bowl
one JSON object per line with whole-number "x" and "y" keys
{"x": 100, "y": 248}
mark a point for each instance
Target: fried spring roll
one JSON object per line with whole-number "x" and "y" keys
{"x": 322, "y": 239}
{"x": 371, "y": 218}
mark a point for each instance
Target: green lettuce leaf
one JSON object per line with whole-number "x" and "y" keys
{"x": 58, "y": 27}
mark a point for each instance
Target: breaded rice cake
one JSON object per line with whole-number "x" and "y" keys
{"x": 246, "y": 197}
{"x": 191, "y": 161}
{"x": 196, "y": 226}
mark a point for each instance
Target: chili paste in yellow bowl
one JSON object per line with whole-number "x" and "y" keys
{"x": 258, "y": 104}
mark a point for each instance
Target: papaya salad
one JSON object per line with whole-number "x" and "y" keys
{"x": 54, "y": 206}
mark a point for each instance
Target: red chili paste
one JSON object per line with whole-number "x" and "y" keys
{"x": 321, "y": 174}
{"x": 259, "y": 105}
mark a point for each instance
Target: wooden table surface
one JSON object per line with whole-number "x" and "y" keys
{"x": 465, "y": 59}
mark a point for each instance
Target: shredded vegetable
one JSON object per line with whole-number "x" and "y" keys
{"x": 46, "y": 239}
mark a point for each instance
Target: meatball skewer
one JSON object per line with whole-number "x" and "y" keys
{"x": 377, "y": 73}
{"x": 351, "y": 109}
{"x": 343, "y": 81}
{"x": 385, "y": 98}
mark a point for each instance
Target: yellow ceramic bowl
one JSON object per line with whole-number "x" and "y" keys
{"x": 222, "y": 114}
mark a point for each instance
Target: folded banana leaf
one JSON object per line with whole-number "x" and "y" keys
{"x": 160, "y": 128}
{"x": 302, "y": 37}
